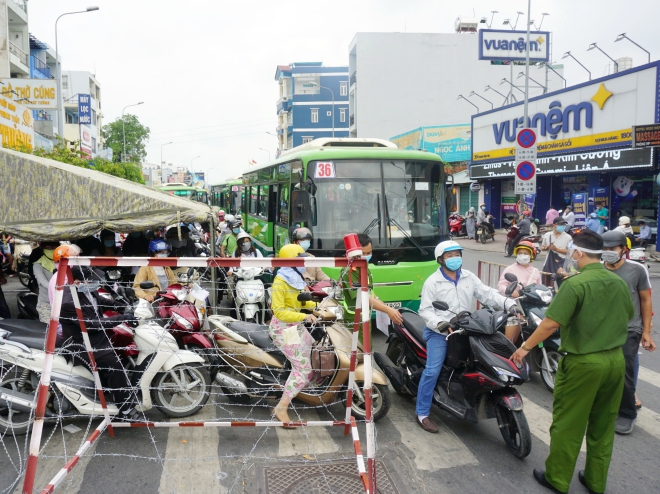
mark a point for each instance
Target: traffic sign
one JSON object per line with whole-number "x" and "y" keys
{"x": 526, "y": 138}
{"x": 526, "y": 186}
{"x": 525, "y": 170}
{"x": 526, "y": 154}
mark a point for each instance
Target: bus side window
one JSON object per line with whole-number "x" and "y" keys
{"x": 253, "y": 194}
{"x": 283, "y": 206}
{"x": 263, "y": 201}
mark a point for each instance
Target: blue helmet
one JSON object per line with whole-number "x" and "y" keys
{"x": 158, "y": 245}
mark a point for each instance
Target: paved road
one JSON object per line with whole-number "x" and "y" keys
{"x": 461, "y": 459}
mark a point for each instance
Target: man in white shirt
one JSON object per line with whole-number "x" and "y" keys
{"x": 458, "y": 287}
{"x": 555, "y": 243}
{"x": 569, "y": 216}
{"x": 644, "y": 236}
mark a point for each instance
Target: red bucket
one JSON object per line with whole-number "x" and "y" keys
{"x": 352, "y": 244}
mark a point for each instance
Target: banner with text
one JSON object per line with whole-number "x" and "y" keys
{"x": 37, "y": 94}
{"x": 580, "y": 208}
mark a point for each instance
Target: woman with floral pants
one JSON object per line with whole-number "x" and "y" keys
{"x": 287, "y": 331}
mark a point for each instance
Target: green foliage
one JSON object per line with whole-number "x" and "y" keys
{"x": 136, "y": 137}
{"x": 62, "y": 153}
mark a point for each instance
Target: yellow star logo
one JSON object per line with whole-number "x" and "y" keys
{"x": 27, "y": 118}
{"x": 601, "y": 96}
{"x": 540, "y": 40}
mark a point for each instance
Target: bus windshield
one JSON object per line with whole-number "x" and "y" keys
{"x": 395, "y": 202}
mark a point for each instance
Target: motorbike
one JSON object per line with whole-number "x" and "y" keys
{"x": 27, "y": 305}
{"x": 511, "y": 235}
{"x": 251, "y": 366}
{"x": 544, "y": 358}
{"x": 477, "y": 379}
{"x": 457, "y": 225}
{"x": 247, "y": 295}
{"x": 483, "y": 233}
{"x": 162, "y": 375}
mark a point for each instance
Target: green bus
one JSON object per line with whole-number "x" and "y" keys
{"x": 228, "y": 196}
{"x": 339, "y": 186}
{"x": 185, "y": 191}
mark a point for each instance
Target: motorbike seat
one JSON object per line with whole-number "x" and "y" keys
{"x": 30, "y": 333}
{"x": 257, "y": 334}
{"x": 415, "y": 324}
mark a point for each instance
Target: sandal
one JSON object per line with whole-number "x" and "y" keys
{"x": 273, "y": 415}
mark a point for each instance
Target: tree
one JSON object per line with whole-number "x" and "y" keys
{"x": 136, "y": 137}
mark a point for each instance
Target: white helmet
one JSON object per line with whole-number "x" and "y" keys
{"x": 624, "y": 220}
{"x": 446, "y": 246}
{"x": 242, "y": 235}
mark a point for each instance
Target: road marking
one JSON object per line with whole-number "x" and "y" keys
{"x": 191, "y": 466}
{"x": 649, "y": 376}
{"x": 307, "y": 440}
{"x": 539, "y": 420}
{"x": 649, "y": 421}
{"x": 432, "y": 451}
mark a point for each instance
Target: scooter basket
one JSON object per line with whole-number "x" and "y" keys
{"x": 323, "y": 361}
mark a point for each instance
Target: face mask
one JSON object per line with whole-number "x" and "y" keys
{"x": 245, "y": 246}
{"x": 48, "y": 253}
{"x": 90, "y": 287}
{"x": 135, "y": 234}
{"x": 305, "y": 244}
{"x": 367, "y": 258}
{"x": 162, "y": 254}
{"x": 523, "y": 259}
{"x": 454, "y": 263}
{"x": 483, "y": 208}
{"x": 236, "y": 231}
{"x": 561, "y": 228}
{"x": 610, "y": 256}
{"x": 109, "y": 243}
{"x": 301, "y": 270}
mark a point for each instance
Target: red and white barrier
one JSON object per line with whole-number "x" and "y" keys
{"x": 362, "y": 317}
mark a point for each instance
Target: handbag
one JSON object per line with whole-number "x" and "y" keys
{"x": 323, "y": 360}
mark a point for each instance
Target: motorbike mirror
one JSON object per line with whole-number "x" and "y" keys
{"x": 146, "y": 285}
{"x": 443, "y": 306}
{"x": 554, "y": 276}
{"x": 510, "y": 277}
{"x": 511, "y": 288}
{"x": 191, "y": 272}
{"x": 305, "y": 297}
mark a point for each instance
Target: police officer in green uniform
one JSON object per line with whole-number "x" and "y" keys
{"x": 589, "y": 381}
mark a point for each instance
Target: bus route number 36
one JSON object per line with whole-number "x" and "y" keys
{"x": 325, "y": 170}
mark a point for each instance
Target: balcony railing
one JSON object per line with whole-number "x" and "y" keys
{"x": 41, "y": 66}
{"x": 21, "y": 4}
{"x": 353, "y": 78}
{"x": 22, "y": 56}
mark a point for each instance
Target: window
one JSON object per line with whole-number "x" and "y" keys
{"x": 253, "y": 200}
{"x": 93, "y": 144}
{"x": 65, "y": 82}
{"x": 315, "y": 115}
{"x": 263, "y": 202}
{"x": 342, "y": 115}
{"x": 71, "y": 116}
{"x": 343, "y": 88}
{"x": 307, "y": 139}
{"x": 283, "y": 211}
{"x": 93, "y": 117}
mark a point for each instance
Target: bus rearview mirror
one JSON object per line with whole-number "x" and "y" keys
{"x": 301, "y": 207}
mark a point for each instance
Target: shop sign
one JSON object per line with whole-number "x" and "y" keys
{"x": 646, "y": 136}
{"x": 84, "y": 109}
{"x": 498, "y": 44}
{"x": 86, "y": 141}
{"x": 580, "y": 208}
{"x": 597, "y": 161}
{"x": 595, "y": 115}
{"x": 475, "y": 187}
{"x": 16, "y": 124}
{"x": 451, "y": 142}
{"x": 37, "y": 94}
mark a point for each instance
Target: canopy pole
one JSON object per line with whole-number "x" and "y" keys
{"x": 213, "y": 270}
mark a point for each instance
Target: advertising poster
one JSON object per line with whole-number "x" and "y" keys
{"x": 509, "y": 206}
{"x": 580, "y": 208}
{"x": 86, "y": 141}
{"x": 451, "y": 142}
{"x": 599, "y": 194}
{"x": 84, "y": 109}
{"x": 37, "y": 94}
{"x": 16, "y": 124}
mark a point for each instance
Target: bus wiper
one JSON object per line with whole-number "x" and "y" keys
{"x": 375, "y": 221}
{"x": 405, "y": 234}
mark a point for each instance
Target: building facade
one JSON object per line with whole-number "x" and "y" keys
{"x": 312, "y": 103}
{"x": 43, "y": 67}
{"x": 76, "y": 85}
{"x": 403, "y": 81}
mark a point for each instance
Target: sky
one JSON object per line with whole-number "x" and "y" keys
{"x": 205, "y": 69}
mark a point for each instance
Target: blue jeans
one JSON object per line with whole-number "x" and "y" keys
{"x": 436, "y": 351}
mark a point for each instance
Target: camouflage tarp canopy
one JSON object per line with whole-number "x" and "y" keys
{"x": 42, "y": 199}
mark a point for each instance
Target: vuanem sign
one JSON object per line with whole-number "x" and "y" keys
{"x": 599, "y": 114}
{"x": 497, "y": 44}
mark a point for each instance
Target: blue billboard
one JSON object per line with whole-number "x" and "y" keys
{"x": 84, "y": 109}
{"x": 452, "y": 143}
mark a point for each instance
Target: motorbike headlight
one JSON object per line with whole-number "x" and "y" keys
{"x": 535, "y": 318}
{"x": 505, "y": 375}
{"x": 545, "y": 296}
{"x": 182, "y": 321}
{"x": 180, "y": 294}
{"x": 200, "y": 315}
{"x": 183, "y": 278}
{"x": 338, "y": 293}
{"x": 114, "y": 274}
{"x": 105, "y": 295}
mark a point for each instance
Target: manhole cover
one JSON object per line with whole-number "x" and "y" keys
{"x": 324, "y": 478}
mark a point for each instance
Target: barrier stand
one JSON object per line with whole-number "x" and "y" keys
{"x": 368, "y": 477}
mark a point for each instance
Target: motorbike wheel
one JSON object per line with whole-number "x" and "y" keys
{"x": 185, "y": 397}
{"x": 515, "y": 430}
{"x": 13, "y": 422}
{"x": 380, "y": 400}
{"x": 548, "y": 375}
{"x": 483, "y": 237}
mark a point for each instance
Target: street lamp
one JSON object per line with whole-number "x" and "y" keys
{"x": 507, "y": 22}
{"x": 123, "y": 129}
{"x": 522, "y": 74}
{"x": 60, "y": 115}
{"x": 333, "y": 104}
{"x": 594, "y": 45}
{"x": 460, "y": 96}
{"x": 479, "y": 96}
{"x": 191, "y": 163}
{"x": 512, "y": 84}
{"x": 568, "y": 54}
{"x": 548, "y": 66}
{"x": 493, "y": 89}
{"x": 266, "y": 150}
{"x": 623, "y": 36}
{"x": 540, "y": 23}
{"x": 161, "y": 158}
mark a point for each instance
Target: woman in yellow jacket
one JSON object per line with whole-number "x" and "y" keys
{"x": 161, "y": 276}
{"x": 287, "y": 332}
